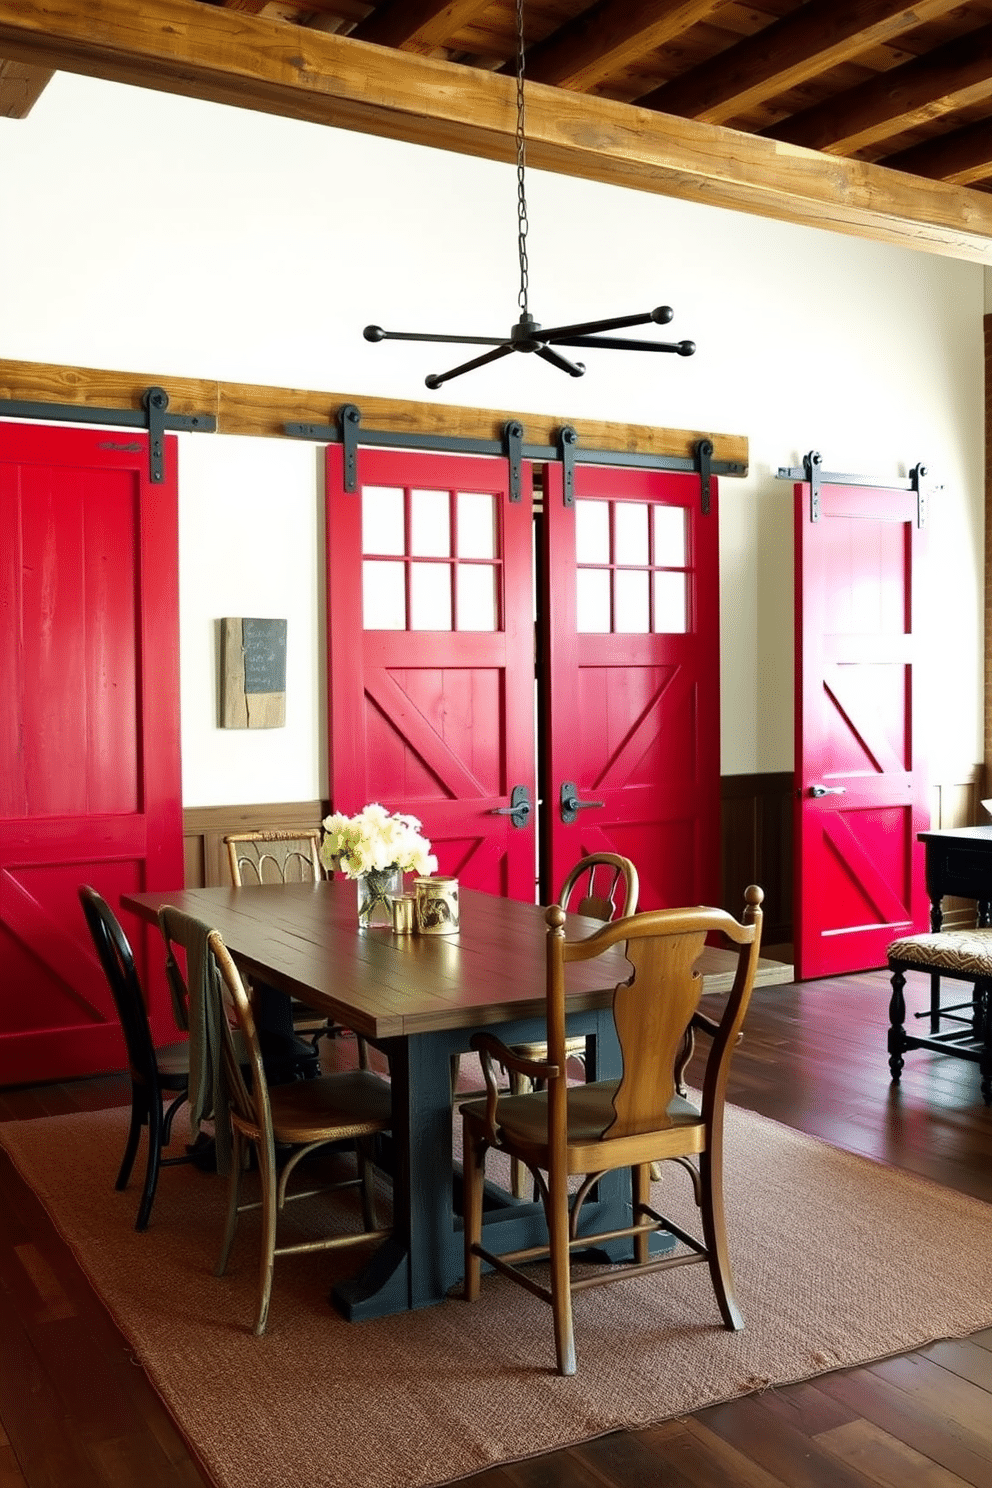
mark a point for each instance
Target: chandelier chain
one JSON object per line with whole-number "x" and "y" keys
{"x": 522, "y": 222}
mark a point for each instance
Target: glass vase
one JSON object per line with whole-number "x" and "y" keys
{"x": 375, "y": 893}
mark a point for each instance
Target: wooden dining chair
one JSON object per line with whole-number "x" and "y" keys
{"x": 156, "y": 1073}
{"x": 286, "y": 855}
{"x": 602, "y": 886}
{"x": 565, "y": 1131}
{"x": 352, "y": 1106}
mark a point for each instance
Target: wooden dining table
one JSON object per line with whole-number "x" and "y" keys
{"x": 419, "y": 999}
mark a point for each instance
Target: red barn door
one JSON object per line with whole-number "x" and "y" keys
{"x": 860, "y": 782}
{"x": 431, "y": 655}
{"x": 632, "y": 680}
{"x": 90, "y": 785}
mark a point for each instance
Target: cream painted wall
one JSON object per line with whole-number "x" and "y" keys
{"x": 160, "y": 234}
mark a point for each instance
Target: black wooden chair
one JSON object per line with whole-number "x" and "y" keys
{"x": 155, "y": 1073}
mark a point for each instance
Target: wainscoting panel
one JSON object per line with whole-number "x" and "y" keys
{"x": 958, "y": 803}
{"x": 756, "y": 847}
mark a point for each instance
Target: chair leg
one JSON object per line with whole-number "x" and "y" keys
{"x": 267, "y": 1175}
{"x": 139, "y": 1106}
{"x": 520, "y": 1178}
{"x": 715, "y": 1235}
{"x": 239, "y": 1153}
{"x": 366, "y": 1172}
{"x": 473, "y": 1168}
{"x": 897, "y": 1018}
{"x": 640, "y": 1184}
{"x": 153, "y": 1164}
{"x": 561, "y": 1290}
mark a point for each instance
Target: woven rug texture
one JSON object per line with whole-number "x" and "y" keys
{"x": 826, "y": 1248}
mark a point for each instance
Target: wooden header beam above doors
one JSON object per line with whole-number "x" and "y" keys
{"x": 232, "y": 57}
{"x": 248, "y": 408}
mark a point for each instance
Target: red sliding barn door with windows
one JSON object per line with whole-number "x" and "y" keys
{"x": 431, "y": 655}
{"x": 860, "y": 782}
{"x": 90, "y": 786}
{"x": 631, "y": 682}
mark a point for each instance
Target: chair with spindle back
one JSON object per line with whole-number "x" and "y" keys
{"x": 601, "y": 886}
{"x": 352, "y": 1106}
{"x": 156, "y": 1073}
{"x": 285, "y": 855}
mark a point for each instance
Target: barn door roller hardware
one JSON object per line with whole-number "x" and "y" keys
{"x": 153, "y": 417}
{"x": 570, "y": 455}
{"x": 349, "y": 431}
{"x": 811, "y": 472}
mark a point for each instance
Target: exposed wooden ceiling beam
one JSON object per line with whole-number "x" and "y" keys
{"x": 206, "y": 52}
{"x": 963, "y": 156}
{"x": 951, "y": 76}
{"x": 819, "y": 35}
{"x": 605, "y": 38}
{"x": 21, "y": 85}
{"x": 426, "y": 23}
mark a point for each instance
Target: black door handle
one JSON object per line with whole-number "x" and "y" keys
{"x": 569, "y": 803}
{"x": 519, "y": 809}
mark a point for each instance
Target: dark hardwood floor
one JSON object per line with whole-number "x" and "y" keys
{"x": 76, "y": 1411}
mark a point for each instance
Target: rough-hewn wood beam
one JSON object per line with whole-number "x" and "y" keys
{"x": 21, "y": 85}
{"x": 819, "y": 35}
{"x": 426, "y": 23}
{"x": 962, "y": 156}
{"x": 949, "y": 77}
{"x": 605, "y": 38}
{"x": 203, "y": 51}
{"x": 251, "y": 408}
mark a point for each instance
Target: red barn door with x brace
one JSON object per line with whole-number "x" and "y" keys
{"x": 861, "y": 794}
{"x": 431, "y": 655}
{"x": 632, "y": 680}
{"x": 90, "y": 787}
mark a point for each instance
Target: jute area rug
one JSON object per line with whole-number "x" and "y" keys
{"x": 826, "y": 1247}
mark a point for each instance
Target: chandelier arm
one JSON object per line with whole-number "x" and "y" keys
{"x": 619, "y": 343}
{"x": 574, "y": 369}
{"x": 380, "y": 335}
{"x": 436, "y": 378}
{"x": 615, "y": 323}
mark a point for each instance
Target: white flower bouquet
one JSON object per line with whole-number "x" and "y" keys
{"x": 374, "y": 841}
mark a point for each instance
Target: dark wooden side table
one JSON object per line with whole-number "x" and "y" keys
{"x": 958, "y": 861}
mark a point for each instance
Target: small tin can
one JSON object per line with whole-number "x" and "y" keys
{"x": 437, "y": 905}
{"x": 404, "y": 913}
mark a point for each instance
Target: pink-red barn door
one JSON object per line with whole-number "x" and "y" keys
{"x": 632, "y": 680}
{"x": 431, "y": 655}
{"x": 89, "y": 731}
{"x": 861, "y": 793}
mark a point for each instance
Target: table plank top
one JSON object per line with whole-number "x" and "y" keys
{"x": 305, "y": 939}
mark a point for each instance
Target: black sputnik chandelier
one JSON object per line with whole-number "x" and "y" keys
{"x": 527, "y": 335}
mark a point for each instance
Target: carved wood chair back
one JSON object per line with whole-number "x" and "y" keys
{"x": 634, "y": 1121}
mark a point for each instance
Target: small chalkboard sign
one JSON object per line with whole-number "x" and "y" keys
{"x": 253, "y": 673}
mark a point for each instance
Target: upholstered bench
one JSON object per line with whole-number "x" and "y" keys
{"x": 964, "y": 956}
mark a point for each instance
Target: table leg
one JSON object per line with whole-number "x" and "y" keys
{"x": 424, "y": 1257}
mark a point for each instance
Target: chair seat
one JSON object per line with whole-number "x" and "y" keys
{"x": 524, "y": 1118}
{"x": 966, "y": 953}
{"x": 356, "y": 1102}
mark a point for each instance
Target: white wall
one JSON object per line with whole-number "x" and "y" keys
{"x": 163, "y": 235}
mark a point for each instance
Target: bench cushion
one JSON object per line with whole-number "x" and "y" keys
{"x": 967, "y": 952}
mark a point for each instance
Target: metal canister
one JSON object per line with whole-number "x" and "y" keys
{"x": 404, "y": 913}
{"x": 437, "y": 905}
